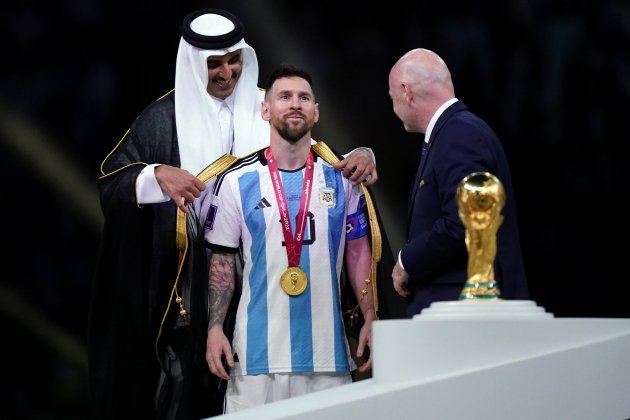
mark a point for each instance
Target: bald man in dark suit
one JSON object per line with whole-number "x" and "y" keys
{"x": 432, "y": 264}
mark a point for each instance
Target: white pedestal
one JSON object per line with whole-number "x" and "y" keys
{"x": 481, "y": 360}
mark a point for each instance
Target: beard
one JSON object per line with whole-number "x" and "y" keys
{"x": 292, "y": 133}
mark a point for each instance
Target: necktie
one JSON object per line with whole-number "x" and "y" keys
{"x": 425, "y": 148}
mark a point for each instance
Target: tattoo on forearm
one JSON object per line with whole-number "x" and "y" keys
{"x": 220, "y": 286}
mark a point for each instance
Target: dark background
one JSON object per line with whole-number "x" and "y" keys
{"x": 551, "y": 77}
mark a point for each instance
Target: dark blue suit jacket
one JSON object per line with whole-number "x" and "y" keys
{"x": 435, "y": 254}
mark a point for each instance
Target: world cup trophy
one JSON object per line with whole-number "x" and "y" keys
{"x": 480, "y": 199}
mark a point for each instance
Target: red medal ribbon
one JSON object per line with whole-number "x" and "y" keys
{"x": 294, "y": 245}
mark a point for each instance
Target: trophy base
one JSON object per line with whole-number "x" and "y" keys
{"x": 484, "y": 309}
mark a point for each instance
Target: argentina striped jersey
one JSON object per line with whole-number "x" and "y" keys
{"x": 275, "y": 332}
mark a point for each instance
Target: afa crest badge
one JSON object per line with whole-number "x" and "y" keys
{"x": 327, "y": 197}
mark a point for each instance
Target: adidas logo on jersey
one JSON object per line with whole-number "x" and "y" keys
{"x": 262, "y": 204}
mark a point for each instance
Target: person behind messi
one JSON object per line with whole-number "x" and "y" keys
{"x": 289, "y": 209}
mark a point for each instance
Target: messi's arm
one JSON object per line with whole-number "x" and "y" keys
{"x": 221, "y": 285}
{"x": 358, "y": 259}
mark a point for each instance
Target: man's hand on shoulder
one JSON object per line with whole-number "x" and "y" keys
{"x": 359, "y": 167}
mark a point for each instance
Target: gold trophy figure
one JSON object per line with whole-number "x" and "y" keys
{"x": 480, "y": 199}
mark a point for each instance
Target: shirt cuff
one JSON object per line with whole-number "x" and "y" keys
{"x": 148, "y": 190}
{"x": 400, "y": 259}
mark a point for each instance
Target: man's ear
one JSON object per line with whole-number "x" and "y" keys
{"x": 264, "y": 111}
{"x": 407, "y": 92}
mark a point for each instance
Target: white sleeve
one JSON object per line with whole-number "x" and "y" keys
{"x": 224, "y": 220}
{"x": 355, "y": 194}
{"x": 148, "y": 190}
{"x": 357, "y": 223}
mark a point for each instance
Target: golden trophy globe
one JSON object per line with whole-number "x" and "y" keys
{"x": 480, "y": 199}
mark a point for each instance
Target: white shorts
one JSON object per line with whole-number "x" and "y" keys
{"x": 247, "y": 391}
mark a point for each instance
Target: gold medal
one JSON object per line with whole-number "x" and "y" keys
{"x": 293, "y": 281}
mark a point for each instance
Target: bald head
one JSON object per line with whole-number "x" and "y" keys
{"x": 422, "y": 82}
{"x": 424, "y": 68}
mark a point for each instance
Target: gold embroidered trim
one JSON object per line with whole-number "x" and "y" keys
{"x": 329, "y": 156}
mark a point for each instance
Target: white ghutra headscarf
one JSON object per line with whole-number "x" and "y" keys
{"x": 215, "y": 32}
